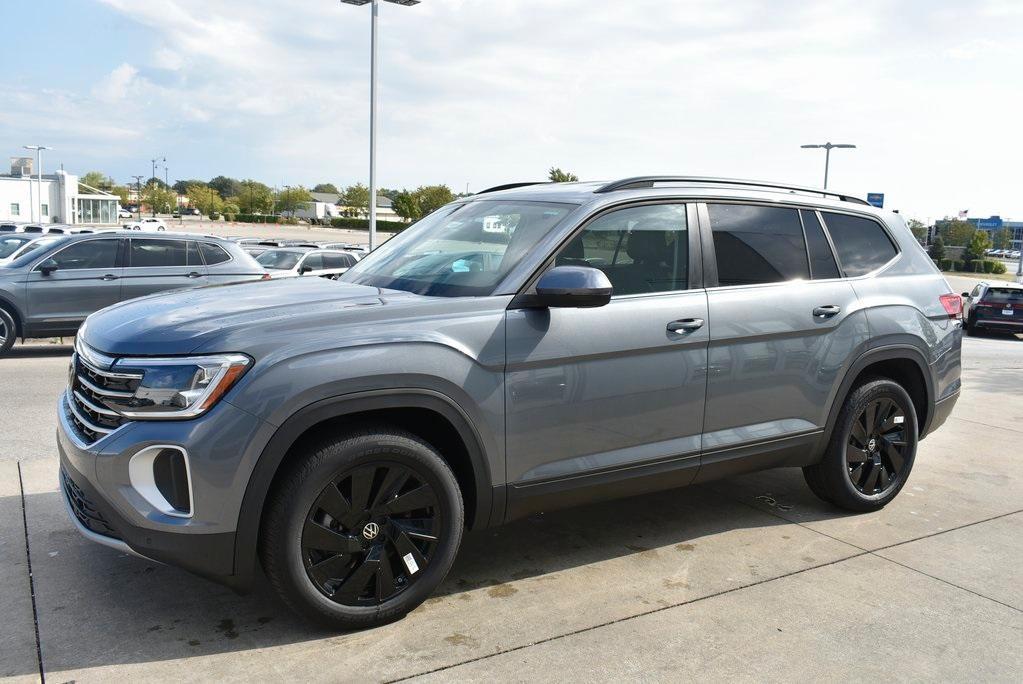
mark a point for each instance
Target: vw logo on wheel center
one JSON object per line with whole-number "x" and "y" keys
{"x": 370, "y": 531}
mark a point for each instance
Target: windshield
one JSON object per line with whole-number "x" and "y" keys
{"x": 459, "y": 250}
{"x": 279, "y": 259}
{"x": 27, "y": 252}
{"x": 9, "y": 244}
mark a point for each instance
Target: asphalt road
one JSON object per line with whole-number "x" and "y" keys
{"x": 747, "y": 579}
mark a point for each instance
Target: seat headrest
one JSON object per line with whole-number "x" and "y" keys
{"x": 648, "y": 242}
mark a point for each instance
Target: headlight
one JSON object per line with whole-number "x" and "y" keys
{"x": 175, "y": 388}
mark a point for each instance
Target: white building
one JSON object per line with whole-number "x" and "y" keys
{"x": 63, "y": 199}
{"x": 327, "y": 205}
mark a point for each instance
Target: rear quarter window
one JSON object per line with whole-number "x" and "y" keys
{"x": 862, "y": 244}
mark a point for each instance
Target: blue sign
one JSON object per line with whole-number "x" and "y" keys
{"x": 876, "y": 199}
{"x": 993, "y": 223}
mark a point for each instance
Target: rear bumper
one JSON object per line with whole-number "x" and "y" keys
{"x": 941, "y": 412}
{"x": 1001, "y": 324}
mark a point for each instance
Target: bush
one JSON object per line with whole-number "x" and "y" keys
{"x": 999, "y": 267}
{"x": 363, "y": 224}
{"x": 951, "y": 265}
{"x": 256, "y": 218}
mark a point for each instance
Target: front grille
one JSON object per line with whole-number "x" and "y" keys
{"x": 88, "y": 386}
{"x": 83, "y": 509}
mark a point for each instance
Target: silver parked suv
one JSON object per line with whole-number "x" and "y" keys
{"x": 531, "y": 347}
{"x": 50, "y": 285}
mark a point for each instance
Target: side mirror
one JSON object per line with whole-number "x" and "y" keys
{"x": 48, "y": 267}
{"x": 966, "y": 295}
{"x": 573, "y": 286}
{"x": 302, "y": 270}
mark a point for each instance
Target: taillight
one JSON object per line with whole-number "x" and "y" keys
{"x": 266, "y": 276}
{"x": 953, "y": 304}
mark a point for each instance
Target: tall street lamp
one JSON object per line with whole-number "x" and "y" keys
{"x": 138, "y": 194}
{"x": 827, "y": 147}
{"x": 373, "y": 109}
{"x": 39, "y": 176}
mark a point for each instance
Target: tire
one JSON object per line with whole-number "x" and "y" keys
{"x": 971, "y": 328}
{"x": 337, "y": 570}
{"x": 871, "y": 450}
{"x": 8, "y": 331}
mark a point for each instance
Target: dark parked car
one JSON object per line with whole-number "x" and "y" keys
{"x": 516, "y": 351}
{"x": 994, "y": 306}
{"x": 49, "y": 291}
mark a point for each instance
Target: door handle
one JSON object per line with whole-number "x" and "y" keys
{"x": 193, "y": 274}
{"x": 109, "y": 276}
{"x": 685, "y": 325}
{"x": 827, "y": 311}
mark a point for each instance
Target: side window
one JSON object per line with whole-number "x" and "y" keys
{"x": 153, "y": 253}
{"x": 213, "y": 254}
{"x": 87, "y": 254}
{"x": 757, "y": 244}
{"x": 334, "y": 260}
{"x": 822, "y": 261}
{"x": 192, "y": 256}
{"x": 313, "y": 261}
{"x": 641, "y": 249}
{"x": 862, "y": 244}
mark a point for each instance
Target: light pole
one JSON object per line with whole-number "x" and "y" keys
{"x": 138, "y": 194}
{"x": 39, "y": 175}
{"x": 373, "y": 109}
{"x": 827, "y": 147}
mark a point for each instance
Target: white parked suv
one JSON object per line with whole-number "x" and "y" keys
{"x": 289, "y": 262}
{"x": 148, "y": 223}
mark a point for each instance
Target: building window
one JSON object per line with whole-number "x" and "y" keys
{"x": 46, "y": 210}
{"x": 15, "y": 209}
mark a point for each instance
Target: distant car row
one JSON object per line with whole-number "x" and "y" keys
{"x": 284, "y": 258}
{"x": 45, "y": 229}
{"x": 1003, "y": 253}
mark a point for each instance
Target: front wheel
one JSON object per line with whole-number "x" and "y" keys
{"x": 8, "y": 331}
{"x": 362, "y": 529}
{"x": 871, "y": 450}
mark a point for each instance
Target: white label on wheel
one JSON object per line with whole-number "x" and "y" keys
{"x": 899, "y": 419}
{"x": 410, "y": 563}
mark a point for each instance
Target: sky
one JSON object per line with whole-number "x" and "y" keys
{"x": 476, "y": 93}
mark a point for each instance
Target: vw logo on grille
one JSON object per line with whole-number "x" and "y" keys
{"x": 370, "y": 531}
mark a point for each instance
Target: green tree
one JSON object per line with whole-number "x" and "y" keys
{"x": 122, "y": 193}
{"x": 205, "y": 199}
{"x": 290, "y": 200}
{"x": 158, "y": 182}
{"x": 433, "y": 197}
{"x": 355, "y": 200}
{"x": 181, "y": 187}
{"x": 160, "y": 199}
{"x": 388, "y": 193}
{"x": 225, "y": 186}
{"x": 253, "y": 197}
{"x": 556, "y": 175}
{"x": 98, "y": 180}
{"x": 326, "y": 187}
{"x": 230, "y": 210}
{"x": 975, "y": 249}
{"x": 406, "y": 206}
{"x": 956, "y": 232}
{"x": 938, "y": 249}
{"x": 1002, "y": 239}
{"x": 919, "y": 230}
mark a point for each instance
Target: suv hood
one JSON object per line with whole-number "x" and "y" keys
{"x": 182, "y": 321}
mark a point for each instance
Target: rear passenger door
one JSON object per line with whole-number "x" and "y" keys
{"x": 783, "y": 326}
{"x": 158, "y": 264}
{"x": 222, "y": 268}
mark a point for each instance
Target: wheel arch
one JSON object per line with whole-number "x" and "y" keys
{"x": 405, "y": 408}
{"x": 19, "y": 318}
{"x": 903, "y": 363}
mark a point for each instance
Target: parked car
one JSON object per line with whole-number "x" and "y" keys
{"x": 348, "y": 247}
{"x": 35, "y": 242}
{"x": 124, "y": 214}
{"x": 146, "y": 223}
{"x": 8, "y": 227}
{"x": 49, "y": 290}
{"x": 994, "y": 306}
{"x": 288, "y": 262}
{"x": 12, "y": 242}
{"x": 626, "y": 337}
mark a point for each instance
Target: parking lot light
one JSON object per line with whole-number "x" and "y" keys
{"x": 827, "y": 147}
{"x": 373, "y": 109}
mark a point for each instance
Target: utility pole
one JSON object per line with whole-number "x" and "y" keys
{"x": 138, "y": 196}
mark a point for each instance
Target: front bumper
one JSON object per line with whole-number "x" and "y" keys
{"x": 105, "y": 508}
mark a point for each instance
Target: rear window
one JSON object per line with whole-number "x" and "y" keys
{"x": 213, "y": 254}
{"x": 1003, "y": 295}
{"x": 156, "y": 253}
{"x": 862, "y": 244}
{"x": 755, "y": 244}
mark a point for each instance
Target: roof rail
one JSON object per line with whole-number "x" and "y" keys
{"x": 649, "y": 181}
{"x": 510, "y": 186}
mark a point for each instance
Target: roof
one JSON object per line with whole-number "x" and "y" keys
{"x": 326, "y": 197}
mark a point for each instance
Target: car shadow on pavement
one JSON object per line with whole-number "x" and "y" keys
{"x": 97, "y": 607}
{"x": 38, "y": 351}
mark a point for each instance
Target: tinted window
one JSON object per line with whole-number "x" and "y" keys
{"x": 154, "y": 253}
{"x": 280, "y": 260}
{"x": 757, "y": 244}
{"x": 862, "y": 244}
{"x": 641, "y": 249}
{"x": 335, "y": 260}
{"x": 214, "y": 254}
{"x": 313, "y": 261}
{"x": 87, "y": 254}
{"x": 822, "y": 261}
{"x": 1003, "y": 295}
{"x": 10, "y": 244}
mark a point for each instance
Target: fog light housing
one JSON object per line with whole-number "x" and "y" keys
{"x": 161, "y": 475}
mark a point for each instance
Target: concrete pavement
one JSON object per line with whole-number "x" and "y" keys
{"x": 750, "y": 578}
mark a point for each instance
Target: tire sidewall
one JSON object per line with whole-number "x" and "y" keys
{"x": 858, "y": 400}
{"x": 334, "y": 461}
{"x": 11, "y": 329}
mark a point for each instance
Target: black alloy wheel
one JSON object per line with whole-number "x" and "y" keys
{"x": 370, "y": 534}
{"x": 875, "y": 453}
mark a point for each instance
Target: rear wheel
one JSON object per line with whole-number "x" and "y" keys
{"x": 363, "y": 530}
{"x": 871, "y": 450}
{"x": 8, "y": 331}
